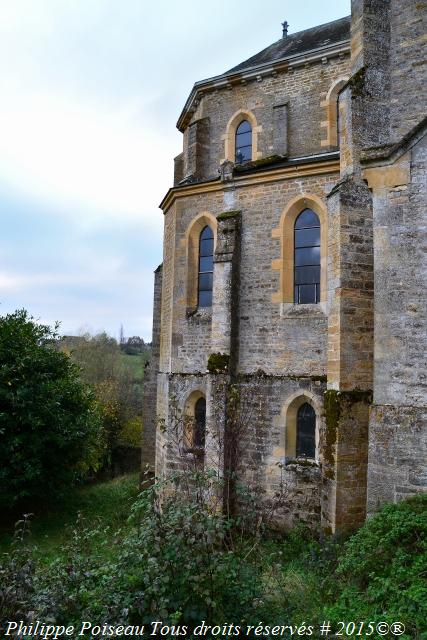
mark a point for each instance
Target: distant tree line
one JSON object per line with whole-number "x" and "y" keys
{"x": 70, "y": 409}
{"x": 116, "y": 380}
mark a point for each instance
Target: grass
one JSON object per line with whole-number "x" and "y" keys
{"x": 105, "y": 503}
{"x": 136, "y": 364}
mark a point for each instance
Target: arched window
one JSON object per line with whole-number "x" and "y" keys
{"x": 205, "y": 277}
{"x": 306, "y": 431}
{"x": 307, "y": 258}
{"x": 243, "y": 142}
{"x": 199, "y": 424}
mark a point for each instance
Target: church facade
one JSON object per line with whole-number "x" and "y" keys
{"x": 293, "y": 270}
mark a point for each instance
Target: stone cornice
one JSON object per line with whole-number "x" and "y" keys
{"x": 294, "y": 170}
{"x": 227, "y": 80}
{"x": 388, "y": 154}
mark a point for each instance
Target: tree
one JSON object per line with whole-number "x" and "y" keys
{"x": 116, "y": 379}
{"x": 49, "y": 422}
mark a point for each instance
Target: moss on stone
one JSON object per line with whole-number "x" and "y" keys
{"x": 319, "y": 378}
{"x": 357, "y": 82}
{"x": 301, "y": 462}
{"x": 333, "y": 403}
{"x": 256, "y": 164}
{"x": 332, "y": 416}
{"x": 226, "y": 215}
{"x": 218, "y": 362}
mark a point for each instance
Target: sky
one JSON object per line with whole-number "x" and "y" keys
{"x": 90, "y": 92}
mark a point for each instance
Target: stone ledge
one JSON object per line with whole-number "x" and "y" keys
{"x": 291, "y": 310}
{"x": 199, "y": 315}
{"x": 301, "y": 462}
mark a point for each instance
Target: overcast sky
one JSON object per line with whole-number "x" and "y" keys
{"x": 90, "y": 94}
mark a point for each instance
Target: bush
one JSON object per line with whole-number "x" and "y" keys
{"x": 190, "y": 566}
{"x": 383, "y": 569}
{"x": 17, "y": 569}
{"x": 49, "y": 424}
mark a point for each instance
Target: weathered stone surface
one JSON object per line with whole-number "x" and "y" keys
{"x": 368, "y": 335}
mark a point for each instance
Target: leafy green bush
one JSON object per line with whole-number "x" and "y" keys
{"x": 179, "y": 560}
{"x": 191, "y": 567}
{"x": 17, "y": 570}
{"x": 49, "y": 425}
{"x": 383, "y": 570}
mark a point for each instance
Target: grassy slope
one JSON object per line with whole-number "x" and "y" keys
{"x": 107, "y": 503}
{"x": 136, "y": 364}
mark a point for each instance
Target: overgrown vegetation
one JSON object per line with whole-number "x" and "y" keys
{"x": 114, "y": 371}
{"x": 195, "y": 546}
{"x": 49, "y": 421}
{"x": 179, "y": 561}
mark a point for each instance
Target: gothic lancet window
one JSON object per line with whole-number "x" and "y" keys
{"x": 306, "y": 432}
{"x": 243, "y": 142}
{"x": 199, "y": 424}
{"x": 307, "y": 258}
{"x": 205, "y": 275}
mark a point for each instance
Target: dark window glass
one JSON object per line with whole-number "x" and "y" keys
{"x": 206, "y": 247}
{"x": 206, "y": 263}
{"x": 205, "y": 276}
{"x": 244, "y": 127}
{"x": 307, "y": 237}
{"x": 243, "y": 142}
{"x": 200, "y": 423}
{"x": 307, "y": 219}
{"x": 244, "y": 139}
{"x": 307, "y": 258}
{"x": 307, "y": 275}
{"x": 205, "y": 281}
{"x": 205, "y": 298}
{"x": 306, "y": 431}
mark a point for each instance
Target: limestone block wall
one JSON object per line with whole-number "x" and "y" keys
{"x": 149, "y": 420}
{"x": 397, "y": 430}
{"x": 292, "y": 490}
{"x": 294, "y": 94}
{"x": 279, "y": 340}
{"x": 408, "y": 74}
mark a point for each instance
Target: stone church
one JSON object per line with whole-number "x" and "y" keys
{"x": 293, "y": 268}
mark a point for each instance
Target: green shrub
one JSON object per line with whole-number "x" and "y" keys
{"x": 383, "y": 569}
{"x": 183, "y": 559}
{"x": 17, "y": 570}
{"x": 49, "y": 424}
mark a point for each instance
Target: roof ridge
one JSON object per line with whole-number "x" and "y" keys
{"x": 287, "y": 40}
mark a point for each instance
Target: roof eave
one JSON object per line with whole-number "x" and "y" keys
{"x": 229, "y": 78}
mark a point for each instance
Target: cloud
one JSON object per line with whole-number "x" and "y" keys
{"x": 71, "y": 156}
{"x": 90, "y": 94}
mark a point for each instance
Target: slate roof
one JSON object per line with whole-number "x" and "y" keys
{"x": 300, "y": 42}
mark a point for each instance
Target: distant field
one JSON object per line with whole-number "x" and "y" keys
{"x": 135, "y": 363}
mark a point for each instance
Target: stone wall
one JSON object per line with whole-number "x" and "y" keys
{"x": 370, "y": 448}
{"x": 408, "y": 52}
{"x": 294, "y": 94}
{"x": 388, "y": 102}
{"x": 398, "y": 437}
{"x": 277, "y": 341}
{"x": 149, "y": 421}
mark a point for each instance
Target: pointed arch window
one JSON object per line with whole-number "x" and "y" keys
{"x": 243, "y": 142}
{"x": 306, "y": 432}
{"x": 307, "y": 258}
{"x": 199, "y": 435}
{"x": 205, "y": 275}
